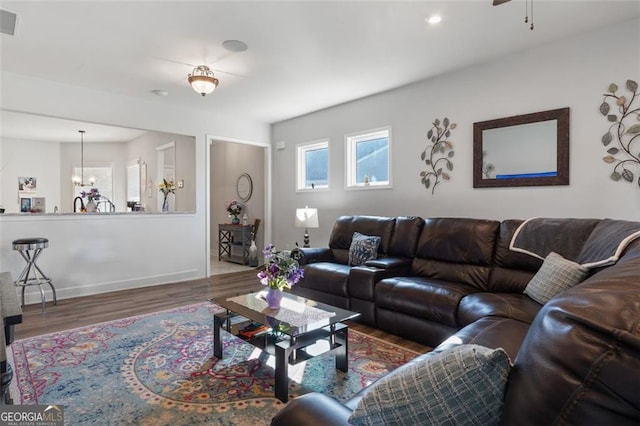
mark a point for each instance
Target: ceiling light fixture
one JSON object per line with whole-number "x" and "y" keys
{"x": 434, "y": 19}
{"x": 526, "y": 13}
{"x": 202, "y": 80}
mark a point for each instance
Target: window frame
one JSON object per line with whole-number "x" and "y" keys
{"x": 96, "y": 164}
{"x": 135, "y": 164}
{"x": 350, "y": 141}
{"x": 301, "y": 165}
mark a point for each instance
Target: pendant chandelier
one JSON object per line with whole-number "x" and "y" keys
{"x": 79, "y": 181}
{"x": 202, "y": 80}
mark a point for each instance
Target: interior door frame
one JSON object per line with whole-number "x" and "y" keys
{"x": 211, "y": 139}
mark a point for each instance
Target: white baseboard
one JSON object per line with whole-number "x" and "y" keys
{"x": 32, "y": 293}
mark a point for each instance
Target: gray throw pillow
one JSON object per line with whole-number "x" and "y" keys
{"x": 556, "y": 275}
{"x": 363, "y": 248}
{"x": 463, "y": 385}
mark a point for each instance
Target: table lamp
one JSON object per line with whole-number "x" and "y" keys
{"x": 307, "y": 218}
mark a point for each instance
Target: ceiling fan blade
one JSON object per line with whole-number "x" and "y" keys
{"x": 173, "y": 61}
{"x": 499, "y": 2}
{"x": 216, "y": 70}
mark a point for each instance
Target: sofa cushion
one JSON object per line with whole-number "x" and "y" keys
{"x": 511, "y": 271}
{"x": 424, "y": 298}
{"x": 456, "y": 249}
{"x": 405, "y": 236}
{"x": 464, "y": 385}
{"x": 326, "y": 277}
{"x": 517, "y": 306}
{"x": 556, "y": 275}
{"x": 539, "y": 236}
{"x": 607, "y": 242}
{"x": 363, "y": 248}
{"x": 491, "y": 332}
{"x": 345, "y": 226}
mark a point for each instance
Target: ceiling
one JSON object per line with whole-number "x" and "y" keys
{"x": 303, "y": 55}
{"x": 16, "y": 125}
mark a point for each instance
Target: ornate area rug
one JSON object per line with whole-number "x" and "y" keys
{"x": 158, "y": 369}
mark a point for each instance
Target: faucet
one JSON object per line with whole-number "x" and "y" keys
{"x": 75, "y": 203}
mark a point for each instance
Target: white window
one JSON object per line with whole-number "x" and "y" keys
{"x": 98, "y": 176}
{"x": 369, "y": 159}
{"x": 133, "y": 181}
{"x": 312, "y": 165}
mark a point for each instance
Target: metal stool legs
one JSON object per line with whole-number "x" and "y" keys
{"x": 32, "y": 274}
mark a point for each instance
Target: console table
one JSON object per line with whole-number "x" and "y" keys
{"x": 234, "y": 242}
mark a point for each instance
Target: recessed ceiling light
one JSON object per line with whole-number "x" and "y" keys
{"x": 434, "y": 19}
{"x": 160, "y": 92}
{"x": 235, "y": 45}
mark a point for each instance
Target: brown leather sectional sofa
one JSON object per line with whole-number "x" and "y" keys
{"x": 450, "y": 281}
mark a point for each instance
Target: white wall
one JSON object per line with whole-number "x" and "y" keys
{"x": 22, "y": 158}
{"x": 91, "y": 254}
{"x": 574, "y": 73}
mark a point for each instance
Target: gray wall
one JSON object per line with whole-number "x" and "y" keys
{"x": 574, "y": 73}
{"x": 228, "y": 162}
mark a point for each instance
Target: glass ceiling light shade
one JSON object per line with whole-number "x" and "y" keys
{"x": 202, "y": 80}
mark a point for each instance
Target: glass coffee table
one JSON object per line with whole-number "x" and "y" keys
{"x": 290, "y": 333}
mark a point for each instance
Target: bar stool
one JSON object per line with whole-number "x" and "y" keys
{"x": 30, "y": 249}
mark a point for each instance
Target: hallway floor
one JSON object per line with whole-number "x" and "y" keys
{"x": 223, "y": 267}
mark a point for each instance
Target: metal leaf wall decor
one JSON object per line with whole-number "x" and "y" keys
{"x": 437, "y": 155}
{"x": 624, "y": 131}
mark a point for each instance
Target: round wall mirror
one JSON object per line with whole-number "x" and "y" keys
{"x": 244, "y": 187}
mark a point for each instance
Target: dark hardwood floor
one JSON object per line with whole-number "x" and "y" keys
{"x": 80, "y": 311}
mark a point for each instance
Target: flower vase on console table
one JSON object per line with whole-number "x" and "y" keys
{"x": 165, "y": 205}
{"x": 235, "y": 220}
{"x": 274, "y": 297}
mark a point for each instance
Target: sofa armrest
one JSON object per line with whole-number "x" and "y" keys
{"x": 363, "y": 279}
{"x": 400, "y": 265}
{"x": 313, "y": 409}
{"x": 309, "y": 255}
{"x": 10, "y": 310}
{"x": 11, "y": 313}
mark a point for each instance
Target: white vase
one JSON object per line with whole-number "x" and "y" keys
{"x": 91, "y": 206}
{"x": 253, "y": 254}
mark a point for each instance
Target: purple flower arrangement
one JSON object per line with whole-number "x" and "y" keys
{"x": 234, "y": 208}
{"x": 281, "y": 270}
{"x": 93, "y": 194}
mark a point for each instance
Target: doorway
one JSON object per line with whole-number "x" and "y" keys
{"x": 229, "y": 163}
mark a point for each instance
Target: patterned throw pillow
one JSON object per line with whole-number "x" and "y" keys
{"x": 363, "y": 248}
{"x": 556, "y": 275}
{"x": 463, "y": 385}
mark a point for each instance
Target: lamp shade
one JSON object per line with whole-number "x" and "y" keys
{"x": 202, "y": 80}
{"x": 307, "y": 218}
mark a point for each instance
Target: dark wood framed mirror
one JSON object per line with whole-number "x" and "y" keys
{"x": 523, "y": 150}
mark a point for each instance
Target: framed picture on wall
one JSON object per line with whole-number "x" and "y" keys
{"x": 38, "y": 204}
{"x": 27, "y": 184}
{"x": 25, "y": 205}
